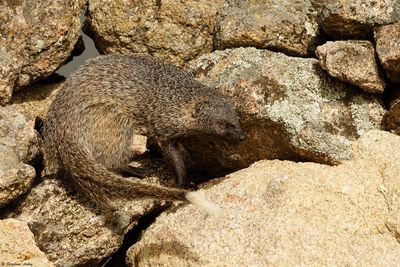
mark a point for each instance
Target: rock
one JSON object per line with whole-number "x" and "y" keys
{"x": 284, "y": 26}
{"x": 35, "y": 100}
{"x": 281, "y": 213}
{"x": 357, "y": 18}
{"x": 19, "y": 145}
{"x": 68, "y": 227}
{"x": 352, "y": 62}
{"x": 178, "y": 31}
{"x": 17, "y": 246}
{"x": 36, "y": 38}
{"x": 388, "y": 50}
{"x": 289, "y": 107}
{"x": 391, "y": 119}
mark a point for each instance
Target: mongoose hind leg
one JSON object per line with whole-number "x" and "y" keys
{"x": 173, "y": 156}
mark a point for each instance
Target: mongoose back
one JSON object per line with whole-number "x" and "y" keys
{"x": 89, "y": 126}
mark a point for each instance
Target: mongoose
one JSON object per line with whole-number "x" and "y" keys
{"x": 90, "y": 124}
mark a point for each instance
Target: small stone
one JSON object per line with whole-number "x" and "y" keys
{"x": 19, "y": 145}
{"x": 352, "y": 62}
{"x": 388, "y": 49}
{"x": 18, "y": 247}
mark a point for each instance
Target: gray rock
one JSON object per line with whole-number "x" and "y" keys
{"x": 352, "y": 62}
{"x": 286, "y": 26}
{"x": 178, "y": 31}
{"x": 18, "y": 247}
{"x": 36, "y": 38}
{"x": 388, "y": 49}
{"x": 357, "y": 18}
{"x": 19, "y": 145}
{"x": 281, "y": 213}
{"x": 289, "y": 107}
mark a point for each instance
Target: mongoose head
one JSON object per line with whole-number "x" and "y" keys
{"x": 217, "y": 117}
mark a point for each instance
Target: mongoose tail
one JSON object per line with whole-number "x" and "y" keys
{"x": 197, "y": 199}
{"x": 104, "y": 185}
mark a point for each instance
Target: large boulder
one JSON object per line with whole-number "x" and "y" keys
{"x": 289, "y": 107}
{"x": 280, "y": 25}
{"x": 19, "y": 146}
{"x": 281, "y": 213}
{"x": 357, "y": 18}
{"x": 175, "y": 30}
{"x": 36, "y": 38}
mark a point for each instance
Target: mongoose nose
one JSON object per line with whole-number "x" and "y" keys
{"x": 242, "y": 136}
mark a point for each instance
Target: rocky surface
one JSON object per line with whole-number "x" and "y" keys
{"x": 289, "y": 107}
{"x": 36, "y": 37}
{"x": 286, "y": 26}
{"x": 352, "y": 62}
{"x": 178, "y": 31}
{"x": 35, "y": 100}
{"x": 281, "y": 213}
{"x": 17, "y": 246}
{"x": 388, "y": 49}
{"x": 391, "y": 119}
{"x": 69, "y": 228}
{"x": 357, "y": 18}
{"x": 19, "y": 145}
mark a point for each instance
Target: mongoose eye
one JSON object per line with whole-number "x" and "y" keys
{"x": 224, "y": 126}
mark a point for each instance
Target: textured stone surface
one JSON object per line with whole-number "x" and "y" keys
{"x": 388, "y": 49}
{"x": 352, "y": 62}
{"x": 289, "y": 107}
{"x": 175, "y": 30}
{"x": 281, "y": 213}
{"x": 18, "y": 145}
{"x": 70, "y": 230}
{"x": 17, "y": 246}
{"x": 391, "y": 119}
{"x": 35, "y": 99}
{"x": 285, "y": 26}
{"x": 357, "y": 18}
{"x": 36, "y": 37}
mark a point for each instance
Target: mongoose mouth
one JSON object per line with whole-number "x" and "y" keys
{"x": 235, "y": 137}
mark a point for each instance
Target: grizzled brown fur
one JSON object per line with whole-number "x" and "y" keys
{"x": 89, "y": 126}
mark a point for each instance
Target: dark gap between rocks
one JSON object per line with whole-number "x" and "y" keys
{"x": 118, "y": 258}
{"x": 84, "y": 50}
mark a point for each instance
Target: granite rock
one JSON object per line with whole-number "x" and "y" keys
{"x": 281, "y": 213}
{"x": 352, "y": 62}
{"x": 36, "y": 37}
{"x": 19, "y": 146}
{"x": 388, "y": 49}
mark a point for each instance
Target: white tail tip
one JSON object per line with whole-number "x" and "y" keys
{"x": 198, "y": 199}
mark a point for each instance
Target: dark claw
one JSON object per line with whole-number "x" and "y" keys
{"x": 190, "y": 186}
